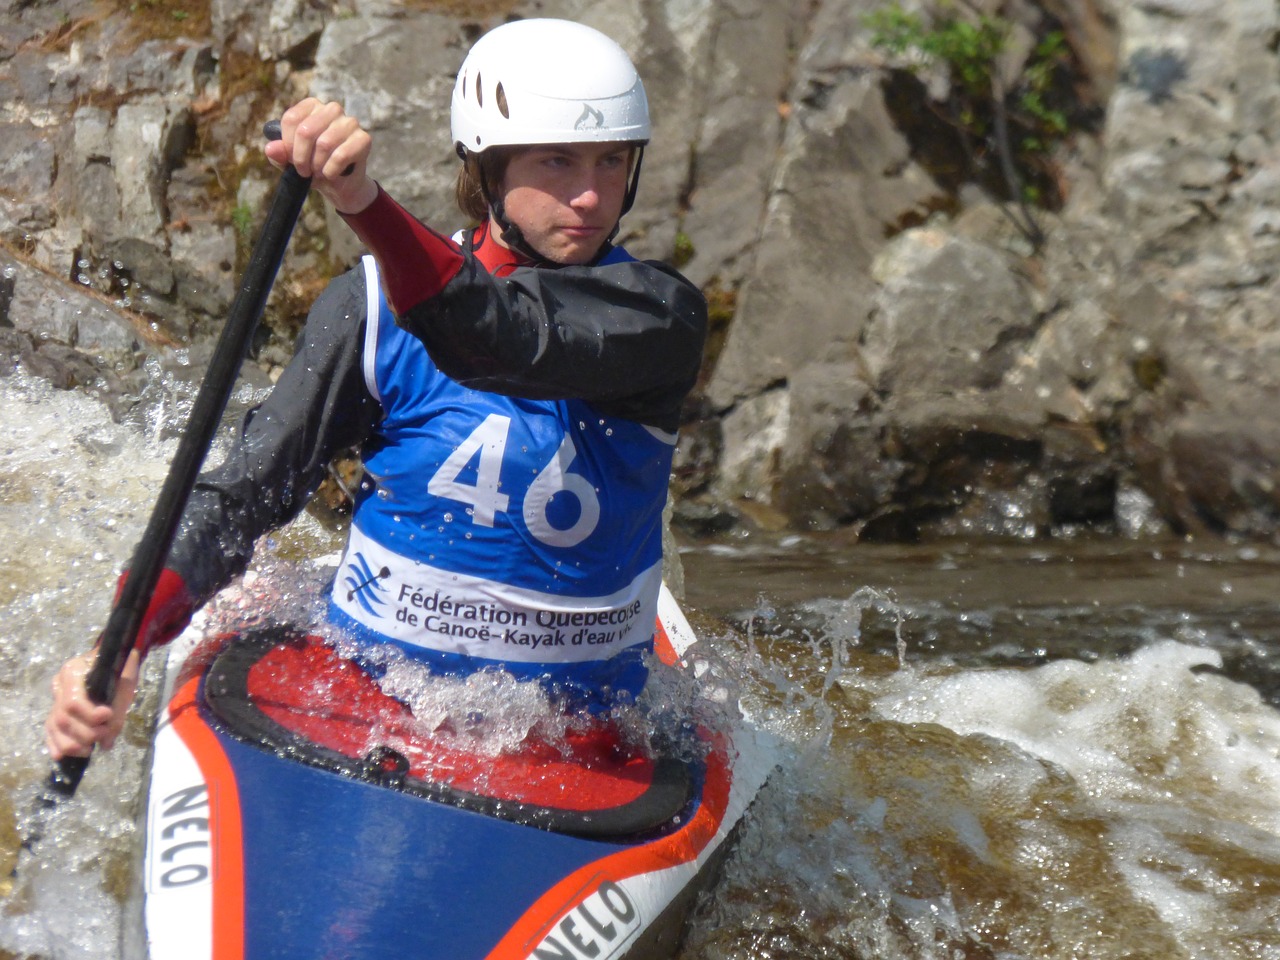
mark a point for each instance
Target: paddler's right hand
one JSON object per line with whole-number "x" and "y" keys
{"x": 324, "y": 143}
{"x": 76, "y": 724}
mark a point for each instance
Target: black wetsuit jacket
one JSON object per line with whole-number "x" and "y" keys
{"x": 627, "y": 338}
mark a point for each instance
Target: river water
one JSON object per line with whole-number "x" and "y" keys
{"x": 995, "y": 751}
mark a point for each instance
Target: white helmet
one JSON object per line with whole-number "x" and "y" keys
{"x": 546, "y": 81}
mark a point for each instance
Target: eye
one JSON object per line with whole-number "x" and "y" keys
{"x": 615, "y": 160}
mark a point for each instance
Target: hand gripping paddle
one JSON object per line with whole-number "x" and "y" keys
{"x": 121, "y": 631}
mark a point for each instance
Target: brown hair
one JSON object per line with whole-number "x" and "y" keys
{"x": 478, "y": 170}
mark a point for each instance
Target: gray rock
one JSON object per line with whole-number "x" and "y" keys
{"x": 955, "y": 320}
{"x": 901, "y": 359}
{"x": 360, "y": 62}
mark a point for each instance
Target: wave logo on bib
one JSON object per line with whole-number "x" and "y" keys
{"x": 364, "y": 586}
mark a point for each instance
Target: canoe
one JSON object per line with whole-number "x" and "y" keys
{"x": 295, "y": 810}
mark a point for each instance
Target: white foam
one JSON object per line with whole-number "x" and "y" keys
{"x": 1152, "y": 776}
{"x": 1147, "y": 727}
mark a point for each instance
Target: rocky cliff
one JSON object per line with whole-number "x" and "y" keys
{"x": 901, "y": 348}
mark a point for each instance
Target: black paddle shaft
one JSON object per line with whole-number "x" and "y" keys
{"x": 121, "y": 631}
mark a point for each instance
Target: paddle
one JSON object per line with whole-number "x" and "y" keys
{"x": 121, "y": 631}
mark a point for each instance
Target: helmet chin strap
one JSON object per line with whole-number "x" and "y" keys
{"x": 634, "y": 186}
{"x": 512, "y": 236}
{"x": 629, "y": 200}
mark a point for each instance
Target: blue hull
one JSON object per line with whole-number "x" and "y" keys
{"x": 261, "y": 848}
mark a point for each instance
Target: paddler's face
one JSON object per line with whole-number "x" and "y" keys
{"x": 566, "y": 198}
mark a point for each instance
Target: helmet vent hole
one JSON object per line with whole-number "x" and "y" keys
{"x": 480, "y": 89}
{"x": 500, "y": 96}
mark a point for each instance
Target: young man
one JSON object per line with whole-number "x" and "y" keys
{"x": 514, "y": 392}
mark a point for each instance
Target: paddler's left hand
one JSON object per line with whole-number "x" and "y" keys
{"x": 324, "y": 143}
{"x": 76, "y": 724}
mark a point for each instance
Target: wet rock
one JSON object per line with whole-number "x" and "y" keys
{"x": 55, "y": 311}
{"x": 833, "y": 470}
{"x": 842, "y": 176}
{"x": 202, "y": 245}
{"x": 748, "y": 61}
{"x": 27, "y": 160}
{"x": 752, "y": 436}
{"x": 360, "y": 60}
{"x": 901, "y": 357}
{"x": 1229, "y": 477}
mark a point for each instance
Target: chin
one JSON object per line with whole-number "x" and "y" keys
{"x": 574, "y": 256}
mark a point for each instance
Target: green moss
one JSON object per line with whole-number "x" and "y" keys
{"x": 242, "y": 220}
{"x": 683, "y": 251}
{"x": 167, "y": 19}
{"x": 1008, "y": 130}
{"x": 722, "y": 307}
{"x": 1150, "y": 371}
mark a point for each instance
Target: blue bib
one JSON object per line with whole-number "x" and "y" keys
{"x": 499, "y": 531}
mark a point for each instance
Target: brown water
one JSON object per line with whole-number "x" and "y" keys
{"x": 995, "y": 750}
{"x": 1014, "y": 750}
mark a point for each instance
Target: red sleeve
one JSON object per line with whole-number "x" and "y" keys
{"x": 415, "y": 261}
{"x": 167, "y": 614}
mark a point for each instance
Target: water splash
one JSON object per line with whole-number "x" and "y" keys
{"x": 76, "y": 490}
{"x": 1115, "y": 809}
{"x": 70, "y": 515}
{"x": 930, "y": 807}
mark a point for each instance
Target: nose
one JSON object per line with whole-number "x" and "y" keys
{"x": 586, "y": 192}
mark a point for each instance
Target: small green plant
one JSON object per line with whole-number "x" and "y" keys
{"x": 1036, "y": 90}
{"x": 683, "y": 251}
{"x": 242, "y": 220}
{"x": 1020, "y": 125}
{"x": 969, "y": 49}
